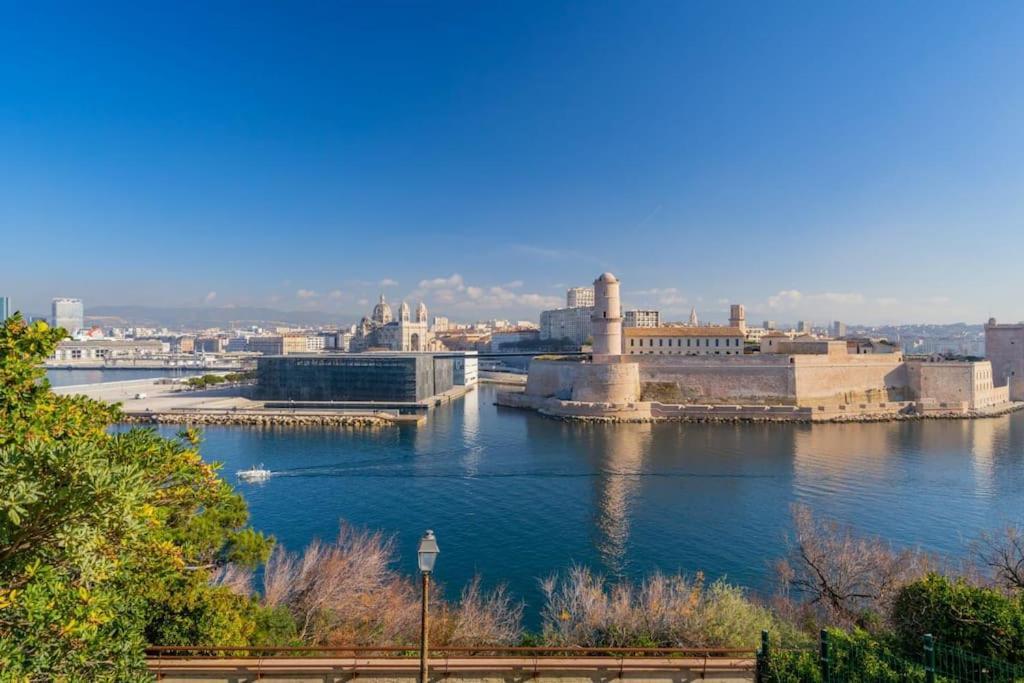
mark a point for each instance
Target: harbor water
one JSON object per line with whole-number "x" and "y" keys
{"x": 515, "y": 497}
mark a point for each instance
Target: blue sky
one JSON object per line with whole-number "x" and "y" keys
{"x": 862, "y": 161}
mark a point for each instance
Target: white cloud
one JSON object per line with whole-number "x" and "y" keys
{"x": 210, "y": 296}
{"x": 305, "y": 294}
{"x": 793, "y": 300}
{"x": 854, "y": 306}
{"x": 453, "y": 281}
{"x": 335, "y": 294}
{"x": 787, "y": 299}
{"x": 454, "y": 293}
{"x": 388, "y": 282}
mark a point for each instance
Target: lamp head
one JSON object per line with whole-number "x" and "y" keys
{"x": 428, "y": 551}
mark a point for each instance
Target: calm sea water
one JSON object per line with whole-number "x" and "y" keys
{"x": 61, "y": 377}
{"x": 515, "y": 497}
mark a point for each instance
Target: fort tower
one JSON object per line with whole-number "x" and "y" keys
{"x": 606, "y": 321}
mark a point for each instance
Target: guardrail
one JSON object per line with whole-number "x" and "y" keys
{"x": 184, "y": 663}
{"x": 473, "y": 650}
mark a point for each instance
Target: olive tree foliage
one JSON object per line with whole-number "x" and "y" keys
{"x": 108, "y": 541}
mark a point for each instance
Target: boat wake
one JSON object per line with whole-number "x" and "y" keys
{"x": 254, "y": 473}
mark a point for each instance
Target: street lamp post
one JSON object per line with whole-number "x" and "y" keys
{"x": 427, "y": 555}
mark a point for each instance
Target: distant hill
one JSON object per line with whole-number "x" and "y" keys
{"x": 225, "y": 316}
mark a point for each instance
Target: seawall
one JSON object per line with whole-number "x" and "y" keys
{"x": 653, "y": 411}
{"x": 265, "y": 419}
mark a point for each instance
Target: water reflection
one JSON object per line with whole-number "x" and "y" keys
{"x": 515, "y": 496}
{"x": 474, "y": 448}
{"x": 987, "y": 438}
{"x": 621, "y": 463}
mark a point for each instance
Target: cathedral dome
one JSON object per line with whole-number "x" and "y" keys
{"x": 382, "y": 312}
{"x": 606, "y": 277}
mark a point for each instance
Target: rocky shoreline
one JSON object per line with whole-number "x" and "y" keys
{"x": 258, "y": 419}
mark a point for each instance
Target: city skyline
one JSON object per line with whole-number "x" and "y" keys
{"x": 231, "y": 316}
{"x": 810, "y": 162}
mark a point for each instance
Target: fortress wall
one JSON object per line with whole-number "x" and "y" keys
{"x": 760, "y": 380}
{"x": 584, "y": 382}
{"x": 825, "y": 382}
{"x": 996, "y": 396}
{"x": 953, "y": 382}
{"x": 552, "y": 378}
{"x": 850, "y": 379}
{"x": 607, "y": 383}
{"x": 943, "y": 382}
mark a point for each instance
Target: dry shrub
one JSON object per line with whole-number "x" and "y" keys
{"x": 347, "y": 592}
{"x": 343, "y": 591}
{"x": 235, "y": 578}
{"x": 581, "y": 609}
{"x": 1002, "y": 553}
{"x": 480, "y": 618}
{"x": 832, "y": 577}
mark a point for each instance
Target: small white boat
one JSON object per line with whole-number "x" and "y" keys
{"x": 254, "y": 473}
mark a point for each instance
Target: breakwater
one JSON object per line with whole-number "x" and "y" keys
{"x": 260, "y": 419}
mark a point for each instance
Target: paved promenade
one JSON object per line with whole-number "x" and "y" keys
{"x": 151, "y": 400}
{"x": 161, "y": 397}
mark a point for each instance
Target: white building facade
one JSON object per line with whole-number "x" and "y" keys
{"x": 579, "y": 297}
{"x": 641, "y": 318}
{"x": 69, "y": 314}
{"x": 567, "y": 323}
{"x": 683, "y": 341}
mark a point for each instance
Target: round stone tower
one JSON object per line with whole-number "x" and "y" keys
{"x": 607, "y": 318}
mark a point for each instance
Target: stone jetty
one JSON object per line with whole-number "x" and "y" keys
{"x": 259, "y": 419}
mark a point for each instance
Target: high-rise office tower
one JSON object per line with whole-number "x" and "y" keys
{"x": 69, "y": 314}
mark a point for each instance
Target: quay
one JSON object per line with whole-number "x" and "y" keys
{"x": 163, "y": 400}
{"x": 184, "y": 363}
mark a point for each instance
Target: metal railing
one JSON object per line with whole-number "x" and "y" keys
{"x": 442, "y": 651}
{"x": 263, "y": 661}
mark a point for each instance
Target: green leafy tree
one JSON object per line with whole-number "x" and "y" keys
{"x": 979, "y": 620}
{"x": 108, "y": 540}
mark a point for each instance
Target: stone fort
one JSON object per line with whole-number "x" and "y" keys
{"x": 801, "y": 380}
